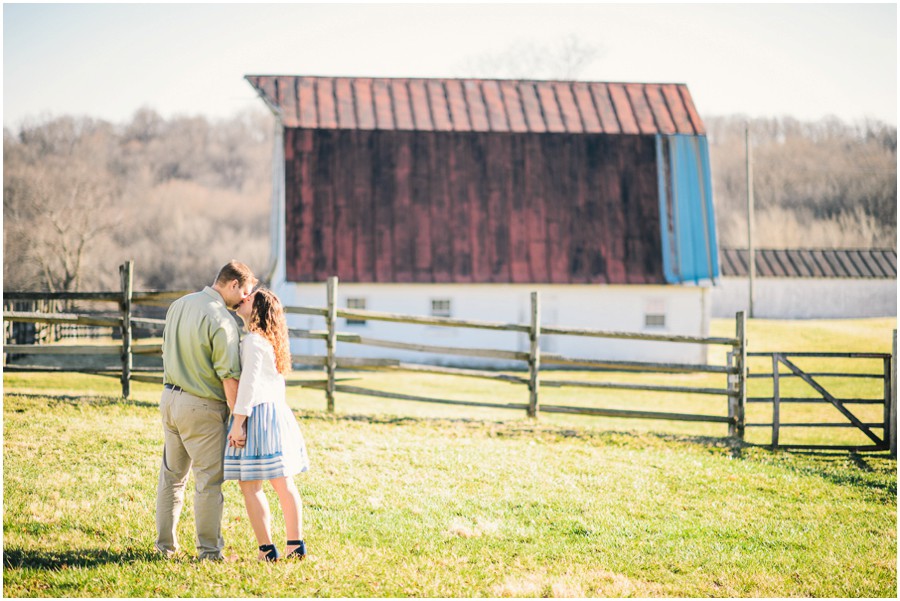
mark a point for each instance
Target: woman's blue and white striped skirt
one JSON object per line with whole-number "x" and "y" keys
{"x": 275, "y": 447}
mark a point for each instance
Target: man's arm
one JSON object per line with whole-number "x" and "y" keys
{"x": 231, "y": 389}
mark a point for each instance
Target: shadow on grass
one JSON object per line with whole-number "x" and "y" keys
{"x": 522, "y": 429}
{"x": 83, "y": 558}
{"x": 840, "y": 467}
{"x": 881, "y": 477}
{"x": 875, "y": 472}
{"x": 80, "y": 400}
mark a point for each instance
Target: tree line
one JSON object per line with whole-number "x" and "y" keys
{"x": 180, "y": 196}
{"x": 819, "y": 184}
{"x": 184, "y": 195}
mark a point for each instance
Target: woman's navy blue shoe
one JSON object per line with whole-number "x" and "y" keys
{"x": 271, "y": 552}
{"x": 300, "y": 551}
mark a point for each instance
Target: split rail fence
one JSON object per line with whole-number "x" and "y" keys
{"x": 734, "y": 380}
{"x": 734, "y": 373}
{"x": 125, "y": 322}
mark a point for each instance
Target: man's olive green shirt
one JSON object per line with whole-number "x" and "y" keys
{"x": 201, "y": 344}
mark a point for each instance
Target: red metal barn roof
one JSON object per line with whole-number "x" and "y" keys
{"x": 479, "y": 105}
{"x": 477, "y": 181}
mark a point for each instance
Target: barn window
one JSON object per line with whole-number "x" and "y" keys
{"x": 440, "y": 307}
{"x": 356, "y": 303}
{"x": 655, "y": 314}
{"x": 654, "y": 320}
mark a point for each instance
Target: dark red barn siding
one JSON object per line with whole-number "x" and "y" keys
{"x": 429, "y": 206}
{"x": 471, "y": 180}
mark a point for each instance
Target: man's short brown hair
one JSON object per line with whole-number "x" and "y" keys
{"x": 235, "y": 270}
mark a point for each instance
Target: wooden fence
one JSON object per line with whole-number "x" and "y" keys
{"x": 125, "y": 322}
{"x": 734, "y": 373}
{"x": 733, "y": 388}
{"x": 37, "y": 333}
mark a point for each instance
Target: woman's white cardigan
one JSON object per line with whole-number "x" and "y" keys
{"x": 260, "y": 382}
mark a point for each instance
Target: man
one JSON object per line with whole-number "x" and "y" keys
{"x": 201, "y": 368}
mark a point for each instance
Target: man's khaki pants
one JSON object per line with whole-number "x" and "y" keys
{"x": 195, "y": 434}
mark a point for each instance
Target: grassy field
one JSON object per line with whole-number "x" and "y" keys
{"x": 408, "y": 499}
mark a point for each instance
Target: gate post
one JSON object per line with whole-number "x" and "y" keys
{"x": 740, "y": 359}
{"x": 776, "y": 400}
{"x": 534, "y": 356}
{"x": 731, "y": 386}
{"x": 331, "y": 341}
{"x": 892, "y": 425}
{"x": 126, "y": 275}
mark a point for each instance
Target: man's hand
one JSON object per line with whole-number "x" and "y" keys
{"x": 237, "y": 437}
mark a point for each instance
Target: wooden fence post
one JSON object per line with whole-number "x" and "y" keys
{"x": 534, "y": 356}
{"x": 740, "y": 357}
{"x": 886, "y": 365}
{"x": 331, "y": 341}
{"x": 126, "y": 275}
{"x": 892, "y": 426}
{"x": 731, "y": 386}
{"x": 776, "y": 400}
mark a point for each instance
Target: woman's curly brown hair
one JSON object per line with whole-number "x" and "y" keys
{"x": 268, "y": 320}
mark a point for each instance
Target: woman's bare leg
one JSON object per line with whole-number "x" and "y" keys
{"x": 292, "y": 507}
{"x": 258, "y": 511}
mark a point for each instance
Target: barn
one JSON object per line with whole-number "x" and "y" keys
{"x": 458, "y": 197}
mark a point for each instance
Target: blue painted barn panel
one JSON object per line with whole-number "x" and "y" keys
{"x": 687, "y": 218}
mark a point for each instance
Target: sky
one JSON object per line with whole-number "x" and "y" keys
{"x": 107, "y": 60}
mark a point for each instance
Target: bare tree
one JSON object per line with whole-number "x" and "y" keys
{"x": 823, "y": 183}
{"x": 54, "y": 211}
{"x": 565, "y": 58}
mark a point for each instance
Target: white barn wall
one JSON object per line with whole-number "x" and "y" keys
{"x": 806, "y": 298}
{"x": 619, "y": 308}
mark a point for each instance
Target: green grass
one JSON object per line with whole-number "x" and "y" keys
{"x": 409, "y": 499}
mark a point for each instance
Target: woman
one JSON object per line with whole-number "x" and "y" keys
{"x": 264, "y": 441}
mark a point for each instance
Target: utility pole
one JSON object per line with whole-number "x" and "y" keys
{"x": 751, "y": 259}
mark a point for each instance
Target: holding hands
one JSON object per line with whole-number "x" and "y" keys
{"x": 237, "y": 436}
